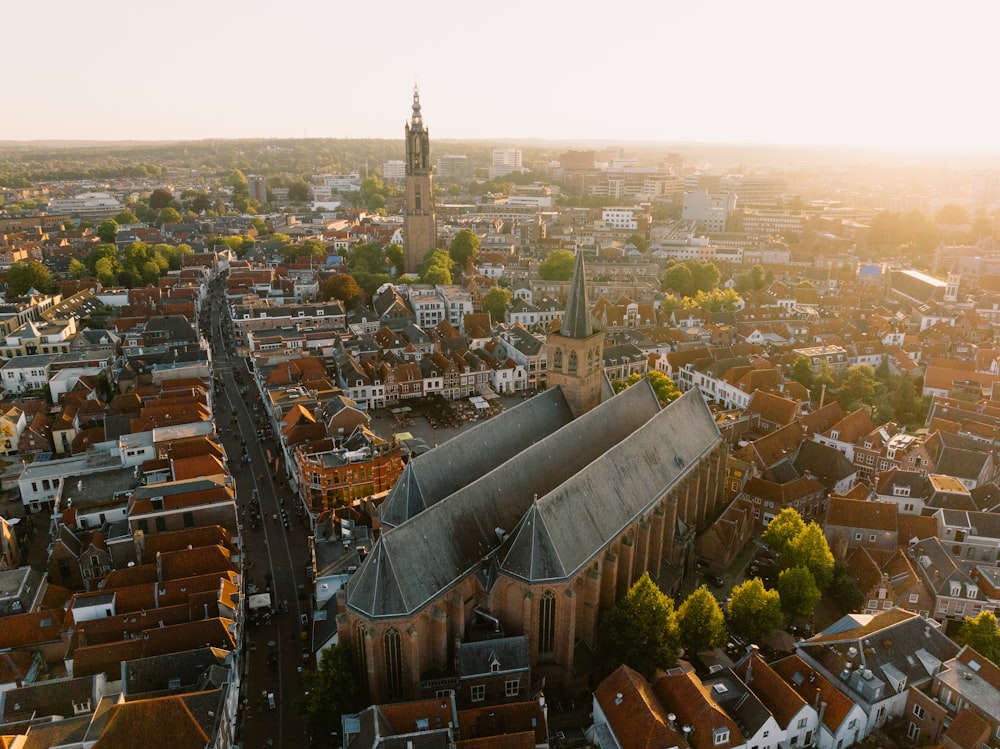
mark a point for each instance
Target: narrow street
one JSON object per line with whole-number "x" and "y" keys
{"x": 275, "y": 553}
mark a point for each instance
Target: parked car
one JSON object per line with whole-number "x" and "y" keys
{"x": 270, "y": 700}
{"x": 715, "y": 580}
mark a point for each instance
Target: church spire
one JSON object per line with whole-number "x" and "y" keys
{"x": 416, "y": 119}
{"x": 576, "y": 321}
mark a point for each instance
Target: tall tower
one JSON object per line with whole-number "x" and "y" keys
{"x": 575, "y": 355}
{"x": 419, "y": 224}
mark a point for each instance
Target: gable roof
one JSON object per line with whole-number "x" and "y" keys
{"x": 638, "y": 719}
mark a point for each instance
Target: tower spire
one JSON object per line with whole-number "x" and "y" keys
{"x": 576, "y": 321}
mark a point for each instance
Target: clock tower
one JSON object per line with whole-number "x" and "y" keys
{"x": 419, "y": 224}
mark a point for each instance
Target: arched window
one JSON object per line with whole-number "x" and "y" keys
{"x": 547, "y": 623}
{"x": 557, "y": 359}
{"x": 590, "y": 361}
{"x": 572, "y": 362}
{"x": 361, "y": 648}
{"x": 393, "y": 665}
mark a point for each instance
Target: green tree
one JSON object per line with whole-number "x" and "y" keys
{"x": 754, "y": 612}
{"x": 780, "y": 531}
{"x": 367, "y": 258}
{"x": 810, "y": 549}
{"x": 802, "y": 372}
{"x": 823, "y": 379}
{"x": 106, "y": 269}
{"x": 705, "y": 275}
{"x": 679, "y": 279}
{"x": 201, "y": 203}
{"x": 952, "y": 214}
{"x": 464, "y": 246}
{"x": 981, "y": 633}
{"x": 700, "y": 622}
{"x": 394, "y": 254}
{"x": 126, "y": 217}
{"x": 663, "y": 386}
{"x": 77, "y": 269}
{"x": 160, "y": 199}
{"x": 26, "y": 275}
{"x": 858, "y": 388}
{"x": 436, "y": 268}
{"x": 107, "y": 230}
{"x": 495, "y": 302}
{"x": 798, "y": 591}
{"x": 299, "y": 192}
{"x": 639, "y": 241}
{"x": 340, "y": 286}
{"x": 844, "y": 588}
{"x": 329, "y": 691}
{"x": 558, "y": 265}
{"x": 641, "y": 629}
{"x": 168, "y": 215}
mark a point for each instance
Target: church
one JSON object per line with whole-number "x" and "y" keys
{"x": 535, "y": 521}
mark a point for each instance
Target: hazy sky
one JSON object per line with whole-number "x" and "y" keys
{"x": 877, "y": 72}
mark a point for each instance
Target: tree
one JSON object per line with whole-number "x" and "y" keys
{"x": 557, "y": 266}
{"x": 299, "y": 192}
{"x": 858, "y": 388}
{"x": 981, "y": 633}
{"x": 802, "y": 372}
{"x": 754, "y": 612}
{"x": 844, "y": 588}
{"x": 77, "y": 269}
{"x": 679, "y": 279}
{"x": 126, "y": 217}
{"x": 168, "y": 216}
{"x": 665, "y": 389}
{"x": 495, "y": 302}
{"x": 952, "y": 214}
{"x": 160, "y": 199}
{"x": 394, "y": 254}
{"x": 798, "y": 591}
{"x": 107, "y": 230}
{"x": 700, "y": 623}
{"x": 641, "y": 629}
{"x": 464, "y": 246}
{"x": 810, "y": 549}
{"x": 340, "y": 286}
{"x": 26, "y": 275}
{"x": 780, "y": 531}
{"x": 436, "y": 268}
{"x": 332, "y": 689}
{"x": 639, "y": 241}
{"x": 705, "y": 275}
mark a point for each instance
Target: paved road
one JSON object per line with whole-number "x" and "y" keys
{"x": 274, "y": 559}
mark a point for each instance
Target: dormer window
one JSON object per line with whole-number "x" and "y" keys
{"x": 720, "y": 736}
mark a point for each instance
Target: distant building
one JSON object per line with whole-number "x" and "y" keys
{"x": 257, "y": 187}
{"x": 394, "y": 170}
{"x": 505, "y": 161}
{"x": 710, "y": 210}
{"x": 88, "y": 205}
{"x": 454, "y": 166}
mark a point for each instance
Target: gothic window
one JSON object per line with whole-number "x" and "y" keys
{"x": 572, "y": 362}
{"x": 393, "y": 665}
{"x": 416, "y": 198}
{"x": 361, "y": 649}
{"x": 590, "y": 361}
{"x": 557, "y": 359}
{"x": 547, "y": 623}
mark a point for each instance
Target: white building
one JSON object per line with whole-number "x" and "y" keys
{"x": 394, "y": 169}
{"x": 710, "y": 210}
{"x": 620, "y": 218}
{"x": 505, "y": 161}
{"x": 88, "y": 205}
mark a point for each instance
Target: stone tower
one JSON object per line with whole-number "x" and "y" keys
{"x": 575, "y": 355}
{"x": 419, "y": 225}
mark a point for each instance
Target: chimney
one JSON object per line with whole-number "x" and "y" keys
{"x": 618, "y": 698}
{"x": 754, "y": 650}
{"x": 816, "y": 699}
{"x": 671, "y": 718}
{"x": 822, "y": 711}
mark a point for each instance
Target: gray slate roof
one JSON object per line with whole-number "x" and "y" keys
{"x": 576, "y": 321}
{"x": 457, "y": 462}
{"x": 455, "y": 536}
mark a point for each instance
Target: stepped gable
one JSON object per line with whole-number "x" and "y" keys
{"x": 450, "y": 466}
{"x": 563, "y": 529}
{"x": 456, "y": 534}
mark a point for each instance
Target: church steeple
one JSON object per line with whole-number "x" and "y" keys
{"x": 576, "y": 321}
{"x": 419, "y": 221}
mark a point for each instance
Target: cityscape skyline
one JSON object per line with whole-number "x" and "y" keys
{"x": 877, "y": 76}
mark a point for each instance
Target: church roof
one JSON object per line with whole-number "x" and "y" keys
{"x": 454, "y": 536}
{"x": 563, "y": 529}
{"x": 576, "y": 321}
{"x": 450, "y": 466}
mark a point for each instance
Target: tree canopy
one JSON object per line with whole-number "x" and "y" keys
{"x": 464, "y": 246}
{"x": 558, "y": 265}
{"x": 107, "y": 230}
{"x": 798, "y": 591}
{"x": 700, "y": 622}
{"x": 754, "y": 612}
{"x": 809, "y": 549}
{"x": 436, "y": 268}
{"x": 332, "y": 689}
{"x": 780, "y": 531}
{"x": 981, "y": 633}
{"x": 28, "y": 274}
{"x": 495, "y": 302}
{"x": 665, "y": 389}
{"x": 340, "y": 286}
{"x": 641, "y": 629}
{"x": 160, "y": 198}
